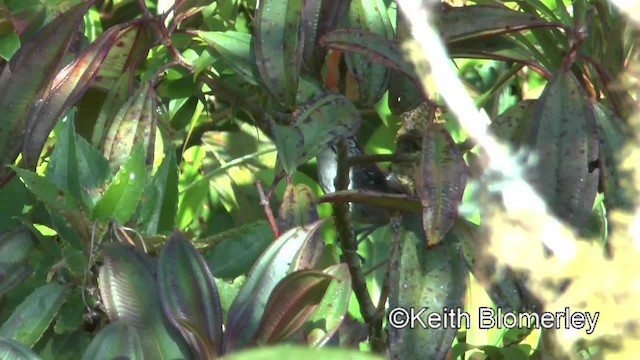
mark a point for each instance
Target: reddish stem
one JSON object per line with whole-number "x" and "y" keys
{"x": 264, "y": 201}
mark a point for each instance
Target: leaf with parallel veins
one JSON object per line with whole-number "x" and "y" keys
{"x": 277, "y": 45}
{"x": 189, "y": 295}
{"x": 66, "y": 89}
{"x": 33, "y": 68}
{"x": 564, "y": 137}
{"x": 290, "y": 304}
{"x": 440, "y": 183}
{"x": 372, "y": 77}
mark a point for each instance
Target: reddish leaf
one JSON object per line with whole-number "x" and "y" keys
{"x": 291, "y": 303}
{"x": 28, "y": 75}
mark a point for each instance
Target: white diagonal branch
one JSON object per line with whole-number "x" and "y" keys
{"x": 518, "y": 195}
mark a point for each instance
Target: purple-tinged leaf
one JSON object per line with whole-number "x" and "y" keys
{"x": 188, "y": 294}
{"x": 280, "y": 259}
{"x": 314, "y": 24}
{"x": 131, "y": 48}
{"x": 328, "y": 316}
{"x": 372, "y": 78}
{"x": 501, "y": 47}
{"x": 28, "y": 75}
{"x": 66, "y": 89}
{"x": 467, "y": 22}
{"x": 377, "y": 47}
{"x": 290, "y": 304}
{"x": 421, "y": 277}
{"x": 130, "y": 294}
{"x": 298, "y": 208}
{"x": 564, "y": 136}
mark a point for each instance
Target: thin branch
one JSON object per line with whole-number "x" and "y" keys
{"x": 517, "y": 193}
{"x": 349, "y": 248}
{"x": 264, "y": 202}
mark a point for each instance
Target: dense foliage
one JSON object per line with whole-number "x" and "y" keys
{"x": 196, "y": 179}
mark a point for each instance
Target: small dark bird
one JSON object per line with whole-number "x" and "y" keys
{"x": 367, "y": 177}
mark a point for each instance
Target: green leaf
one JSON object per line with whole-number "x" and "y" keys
{"x": 125, "y": 191}
{"x": 280, "y": 259}
{"x": 290, "y": 304}
{"x": 277, "y": 45}
{"x": 72, "y": 226}
{"x": 116, "y": 340}
{"x": 297, "y": 208}
{"x": 67, "y": 346}
{"x": 63, "y": 166}
{"x": 33, "y": 68}
{"x": 93, "y": 171}
{"x": 613, "y": 135}
{"x": 160, "y": 198}
{"x": 189, "y": 295}
{"x": 373, "y": 78}
{"x": 183, "y": 116}
{"x": 289, "y": 352}
{"x": 318, "y": 123}
{"x": 47, "y": 191}
{"x": 15, "y": 245}
{"x": 440, "y": 183}
{"x": 503, "y": 289}
{"x": 513, "y": 125}
{"x": 9, "y": 44}
{"x": 236, "y": 250}
{"x": 420, "y": 277}
{"x": 236, "y": 49}
{"x": 130, "y": 294}
{"x": 33, "y": 316}
{"x": 468, "y": 22}
{"x": 13, "y": 350}
{"x": 13, "y": 275}
{"x": 374, "y": 46}
{"x": 501, "y": 47}
{"x": 328, "y": 316}
{"x": 71, "y": 317}
{"x": 133, "y": 127}
{"x": 564, "y": 137}
{"x": 132, "y": 43}
{"x": 117, "y": 96}
{"x": 15, "y": 199}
